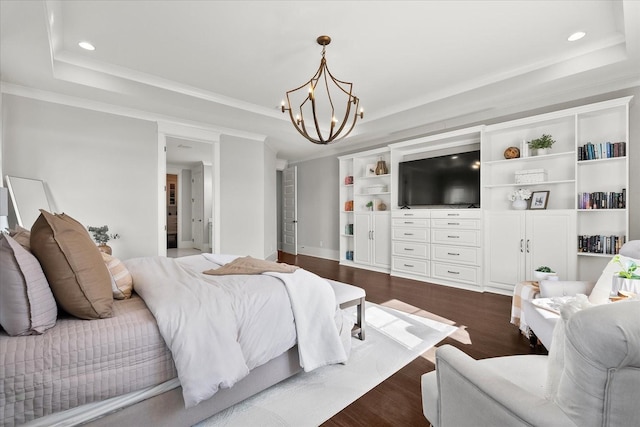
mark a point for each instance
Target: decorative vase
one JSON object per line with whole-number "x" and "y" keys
{"x": 541, "y": 151}
{"x": 622, "y": 284}
{"x": 381, "y": 167}
{"x": 519, "y": 204}
{"x": 103, "y": 247}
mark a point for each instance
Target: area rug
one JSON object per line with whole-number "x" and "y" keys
{"x": 393, "y": 339}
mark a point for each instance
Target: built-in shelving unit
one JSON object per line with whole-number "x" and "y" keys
{"x": 495, "y": 247}
{"x": 365, "y": 197}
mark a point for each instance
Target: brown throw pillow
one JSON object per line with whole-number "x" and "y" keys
{"x": 78, "y": 277}
{"x": 22, "y": 236}
{"x": 27, "y": 306}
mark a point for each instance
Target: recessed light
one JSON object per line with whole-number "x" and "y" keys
{"x": 86, "y": 46}
{"x": 576, "y": 36}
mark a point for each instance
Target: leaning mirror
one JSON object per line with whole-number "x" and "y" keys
{"x": 28, "y": 196}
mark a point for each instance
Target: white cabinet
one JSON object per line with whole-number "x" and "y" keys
{"x": 456, "y": 254}
{"x": 518, "y": 242}
{"x": 410, "y": 248}
{"x": 372, "y": 241}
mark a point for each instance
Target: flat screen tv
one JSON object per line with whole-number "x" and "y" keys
{"x": 449, "y": 181}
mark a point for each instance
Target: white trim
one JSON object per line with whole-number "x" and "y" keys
{"x": 72, "y": 101}
{"x": 162, "y": 195}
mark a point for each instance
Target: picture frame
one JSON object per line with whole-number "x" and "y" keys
{"x": 539, "y": 200}
{"x": 370, "y": 170}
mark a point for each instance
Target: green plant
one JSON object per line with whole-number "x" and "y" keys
{"x": 629, "y": 268}
{"x": 369, "y": 204}
{"x": 545, "y": 141}
{"x": 101, "y": 235}
{"x": 544, "y": 269}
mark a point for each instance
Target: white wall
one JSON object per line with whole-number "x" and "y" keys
{"x": 270, "y": 205}
{"x": 318, "y": 223}
{"x": 99, "y": 168}
{"x": 247, "y": 223}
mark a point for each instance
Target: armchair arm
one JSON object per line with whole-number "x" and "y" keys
{"x": 472, "y": 395}
{"x": 560, "y": 288}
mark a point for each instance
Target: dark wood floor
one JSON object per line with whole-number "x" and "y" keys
{"x": 484, "y": 331}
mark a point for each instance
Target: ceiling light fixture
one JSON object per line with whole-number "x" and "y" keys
{"x": 576, "y": 36}
{"x": 86, "y": 46}
{"x": 317, "y": 101}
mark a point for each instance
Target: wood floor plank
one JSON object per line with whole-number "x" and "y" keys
{"x": 484, "y": 331}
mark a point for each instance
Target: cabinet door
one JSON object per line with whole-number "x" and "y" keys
{"x": 550, "y": 241}
{"x": 504, "y": 246}
{"x": 362, "y": 238}
{"x": 381, "y": 240}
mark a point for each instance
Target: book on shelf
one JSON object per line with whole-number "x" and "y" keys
{"x": 603, "y": 200}
{"x": 600, "y": 244}
{"x": 602, "y": 150}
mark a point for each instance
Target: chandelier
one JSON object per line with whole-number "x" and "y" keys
{"x": 315, "y": 99}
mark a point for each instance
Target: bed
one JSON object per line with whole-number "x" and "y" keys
{"x": 156, "y": 360}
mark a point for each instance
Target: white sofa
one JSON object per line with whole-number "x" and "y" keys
{"x": 590, "y": 378}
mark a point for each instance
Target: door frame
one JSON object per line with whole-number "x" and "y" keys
{"x": 294, "y": 246}
{"x": 177, "y": 130}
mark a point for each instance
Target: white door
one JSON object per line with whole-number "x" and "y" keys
{"x": 505, "y": 246}
{"x": 362, "y": 235}
{"x": 289, "y": 210}
{"x": 381, "y": 239}
{"x": 197, "y": 207}
{"x": 551, "y": 242}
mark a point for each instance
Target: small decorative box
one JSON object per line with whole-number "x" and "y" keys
{"x": 376, "y": 189}
{"x": 531, "y": 176}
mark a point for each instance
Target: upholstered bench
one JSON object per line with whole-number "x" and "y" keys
{"x": 348, "y": 296}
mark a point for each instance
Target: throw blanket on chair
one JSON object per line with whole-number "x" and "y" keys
{"x": 527, "y": 290}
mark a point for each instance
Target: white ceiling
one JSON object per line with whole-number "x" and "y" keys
{"x": 417, "y": 66}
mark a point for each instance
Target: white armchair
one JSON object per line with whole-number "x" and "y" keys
{"x": 542, "y": 322}
{"x": 594, "y": 381}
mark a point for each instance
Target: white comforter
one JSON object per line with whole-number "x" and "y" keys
{"x": 220, "y": 327}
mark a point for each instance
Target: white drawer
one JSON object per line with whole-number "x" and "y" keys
{"x": 410, "y": 222}
{"x": 473, "y": 224}
{"x": 457, "y": 213}
{"x": 413, "y": 266}
{"x": 420, "y": 250}
{"x": 458, "y": 273}
{"x": 456, "y": 237}
{"x": 459, "y": 254}
{"x": 411, "y": 213}
{"x": 415, "y": 234}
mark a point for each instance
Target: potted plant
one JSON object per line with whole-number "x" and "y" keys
{"x": 369, "y": 205}
{"x": 544, "y": 273}
{"x": 101, "y": 236}
{"x": 541, "y": 144}
{"x": 626, "y": 279}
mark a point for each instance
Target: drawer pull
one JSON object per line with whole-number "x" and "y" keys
{"x": 453, "y": 214}
{"x": 453, "y": 272}
{"x": 408, "y": 249}
{"x": 409, "y": 265}
{"x": 408, "y": 234}
{"x": 451, "y": 253}
{"x": 453, "y": 237}
{"x": 453, "y": 223}
{"x": 408, "y": 222}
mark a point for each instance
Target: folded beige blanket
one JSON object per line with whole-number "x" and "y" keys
{"x": 249, "y": 265}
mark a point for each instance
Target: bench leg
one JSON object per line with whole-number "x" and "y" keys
{"x": 360, "y": 322}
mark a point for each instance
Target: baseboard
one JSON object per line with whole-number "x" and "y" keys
{"x": 325, "y": 253}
